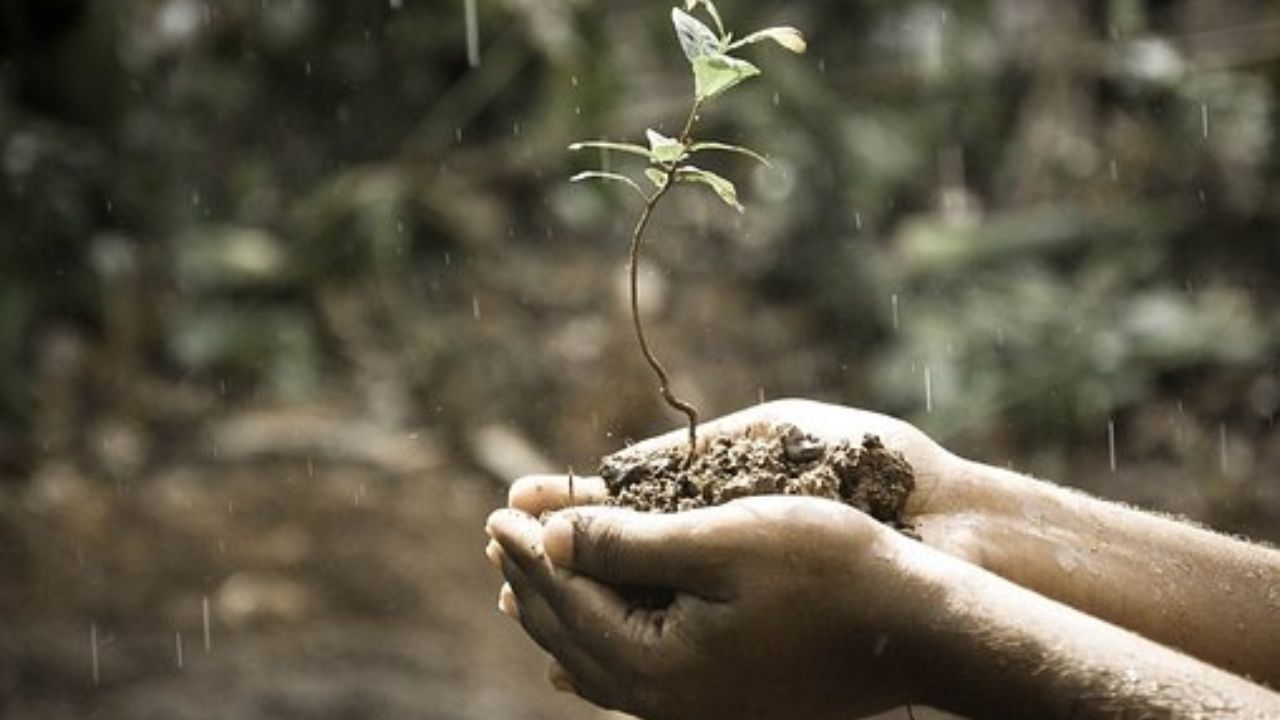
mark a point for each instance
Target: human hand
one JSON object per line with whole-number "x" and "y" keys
{"x": 771, "y": 607}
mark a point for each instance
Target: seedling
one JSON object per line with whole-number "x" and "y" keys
{"x": 715, "y": 72}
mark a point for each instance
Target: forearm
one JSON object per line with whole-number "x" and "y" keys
{"x": 1206, "y": 594}
{"x": 999, "y": 650}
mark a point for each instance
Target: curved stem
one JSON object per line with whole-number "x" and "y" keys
{"x": 637, "y": 243}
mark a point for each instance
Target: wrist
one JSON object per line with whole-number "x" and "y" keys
{"x": 914, "y": 642}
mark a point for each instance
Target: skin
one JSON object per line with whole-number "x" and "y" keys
{"x": 796, "y": 607}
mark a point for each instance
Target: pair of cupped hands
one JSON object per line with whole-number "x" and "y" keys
{"x": 780, "y": 606}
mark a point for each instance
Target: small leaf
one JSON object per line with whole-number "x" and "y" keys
{"x": 714, "y": 74}
{"x": 788, "y": 37}
{"x": 615, "y": 177}
{"x": 699, "y": 147}
{"x": 607, "y": 145}
{"x": 696, "y": 39}
{"x": 725, "y": 189}
{"x": 656, "y": 176}
{"x": 664, "y": 150}
{"x": 691, "y": 5}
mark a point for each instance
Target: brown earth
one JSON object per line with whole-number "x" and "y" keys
{"x": 779, "y": 460}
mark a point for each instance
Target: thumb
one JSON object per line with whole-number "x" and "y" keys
{"x": 680, "y": 551}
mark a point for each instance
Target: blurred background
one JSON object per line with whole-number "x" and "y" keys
{"x": 289, "y": 290}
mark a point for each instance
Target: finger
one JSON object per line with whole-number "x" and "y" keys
{"x": 600, "y": 620}
{"x": 507, "y": 604}
{"x": 537, "y": 494}
{"x": 519, "y": 536}
{"x": 687, "y": 551}
{"x": 596, "y": 687}
{"x": 559, "y": 677}
{"x": 591, "y": 678}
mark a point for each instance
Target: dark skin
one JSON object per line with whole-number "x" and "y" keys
{"x": 796, "y": 607}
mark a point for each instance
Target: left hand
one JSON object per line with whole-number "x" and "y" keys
{"x": 779, "y": 607}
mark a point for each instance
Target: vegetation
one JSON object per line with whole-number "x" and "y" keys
{"x": 1058, "y": 215}
{"x": 714, "y": 73}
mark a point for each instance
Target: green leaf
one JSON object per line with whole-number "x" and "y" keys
{"x": 696, "y": 39}
{"x": 615, "y": 177}
{"x": 664, "y": 150}
{"x": 714, "y": 74}
{"x": 607, "y": 145}
{"x": 725, "y": 189}
{"x": 656, "y": 176}
{"x": 700, "y": 146}
{"x": 691, "y": 5}
{"x": 788, "y": 37}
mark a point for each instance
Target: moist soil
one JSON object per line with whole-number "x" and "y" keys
{"x": 780, "y": 460}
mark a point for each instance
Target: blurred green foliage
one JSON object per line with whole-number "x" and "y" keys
{"x": 1054, "y": 210}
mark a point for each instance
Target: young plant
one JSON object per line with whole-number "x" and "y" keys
{"x": 715, "y": 72}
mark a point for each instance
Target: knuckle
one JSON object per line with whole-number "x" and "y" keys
{"x": 605, "y": 544}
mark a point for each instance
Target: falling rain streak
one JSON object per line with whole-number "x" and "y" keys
{"x": 1204, "y": 120}
{"x": 928, "y": 389}
{"x": 893, "y": 300}
{"x": 177, "y": 648}
{"x": 204, "y": 616}
{"x": 1222, "y": 447}
{"x": 1111, "y": 443}
{"x": 93, "y": 652}
{"x": 473, "y": 34}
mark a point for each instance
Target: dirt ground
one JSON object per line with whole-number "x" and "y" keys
{"x": 301, "y": 562}
{"x": 293, "y": 565}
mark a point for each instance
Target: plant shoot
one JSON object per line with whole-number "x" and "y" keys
{"x": 670, "y": 159}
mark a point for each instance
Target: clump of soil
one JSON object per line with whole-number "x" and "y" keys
{"x": 781, "y": 460}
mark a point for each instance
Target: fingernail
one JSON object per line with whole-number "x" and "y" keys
{"x": 559, "y": 680}
{"x": 507, "y": 602}
{"x": 557, "y": 540}
{"x": 493, "y": 551}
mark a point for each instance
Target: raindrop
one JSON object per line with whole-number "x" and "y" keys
{"x": 457, "y": 134}
{"x": 307, "y": 68}
{"x": 928, "y": 389}
{"x": 1204, "y": 120}
{"x": 204, "y": 616}
{"x": 1222, "y": 446}
{"x": 574, "y": 80}
{"x": 822, "y": 65}
{"x": 93, "y": 652}
{"x": 515, "y": 129}
{"x": 1111, "y": 443}
{"x": 893, "y": 301}
{"x": 777, "y": 99}
{"x": 177, "y": 648}
{"x": 857, "y": 220}
{"x": 1115, "y": 170}
{"x": 475, "y": 306}
{"x": 760, "y": 394}
{"x": 473, "y": 34}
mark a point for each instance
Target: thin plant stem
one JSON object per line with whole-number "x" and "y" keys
{"x": 633, "y": 271}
